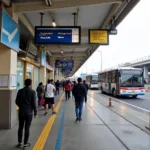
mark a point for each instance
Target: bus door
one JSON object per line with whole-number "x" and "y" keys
{"x": 109, "y": 83}
{"x": 118, "y": 82}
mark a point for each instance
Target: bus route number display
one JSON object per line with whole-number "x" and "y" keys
{"x": 98, "y": 36}
{"x": 57, "y": 35}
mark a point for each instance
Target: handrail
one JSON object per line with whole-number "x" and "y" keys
{"x": 142, "y": 59}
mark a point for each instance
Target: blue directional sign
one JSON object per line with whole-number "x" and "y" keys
{"x": 10, "y": 32}
{"x": 57, "y": 35}
{"x": 67, "y": 71}
{"x": 64, "y": 63}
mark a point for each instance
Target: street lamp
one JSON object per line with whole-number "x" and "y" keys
{"x": 101, "y": 58}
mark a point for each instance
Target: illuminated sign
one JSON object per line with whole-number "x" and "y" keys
{"x": 98, "y": 36}
{"x": 64, "y": 63}
{"x": 57, "y": 35}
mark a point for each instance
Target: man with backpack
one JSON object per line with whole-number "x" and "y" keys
{"x": 87, "y": 88}
{"x": 79, "y": 93}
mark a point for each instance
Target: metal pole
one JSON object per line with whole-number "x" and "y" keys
{"x": 86, "y": 67}
{"x": 101, "y": 60}
{"x": 149, "y": 120}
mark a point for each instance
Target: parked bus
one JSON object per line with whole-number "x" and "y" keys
{"x": 122, "y": 82}
{"x": 92, "y": 81}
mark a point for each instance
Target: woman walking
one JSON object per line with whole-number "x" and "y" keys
{"x": 40, "y": 92}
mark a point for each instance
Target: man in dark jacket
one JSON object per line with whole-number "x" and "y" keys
{"x": 57, "y": 84}
{"x": 86, "y": 87}
{"x": 79, "y": 93}
{"x": 26, "y": 101}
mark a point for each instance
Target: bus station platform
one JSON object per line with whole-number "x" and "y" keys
{"x": 100, "y": 129}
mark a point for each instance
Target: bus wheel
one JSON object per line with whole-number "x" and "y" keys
{"x": 135, "y": 96}
{"x": 114, "y": 93}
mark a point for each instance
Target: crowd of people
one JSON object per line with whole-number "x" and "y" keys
{"x": 26, "y": 101}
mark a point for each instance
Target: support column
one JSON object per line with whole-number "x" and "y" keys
{"x": 52, "y": 75}
{"x": 8, "y": 69}
{"x": 43, "y": 75}
{"x": 145, "y": 72}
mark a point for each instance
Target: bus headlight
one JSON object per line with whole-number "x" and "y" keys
{"x": 122, "y": 91}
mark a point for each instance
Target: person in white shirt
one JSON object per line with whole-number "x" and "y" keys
{"x": 49, "y": 97}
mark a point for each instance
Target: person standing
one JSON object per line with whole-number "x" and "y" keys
{"x": 87, "y": 88}
{"x": 26, "y": 101}
{"x": 79, "y": 93}
{"x": 57, "y": 84}
{"x": 67, "y": 90}
{"x": 40, "y": 92}
{"x": 49, "y": 97}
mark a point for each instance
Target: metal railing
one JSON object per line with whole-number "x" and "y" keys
{"x": 143, "y": 59}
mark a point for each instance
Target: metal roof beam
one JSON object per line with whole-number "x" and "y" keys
{"x": 69, "y": 54}
{"x": 55, "y": 47}
{"x": 6, "y": 2}
{"x": 40, "y": 6}
{"x": 26, "y": 23}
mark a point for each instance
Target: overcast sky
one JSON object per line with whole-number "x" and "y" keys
{"x": 131, "y": 42}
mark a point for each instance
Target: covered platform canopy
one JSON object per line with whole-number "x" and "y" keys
{"x": 90, "y": 14}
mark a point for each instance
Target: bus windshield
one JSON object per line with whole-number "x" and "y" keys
{"x": 131, "y": 78}
{"x": 94, "y": 78}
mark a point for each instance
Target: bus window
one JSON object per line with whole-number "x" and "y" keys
{"x": 113, "y": 78}
{"x": 109, "y": 78}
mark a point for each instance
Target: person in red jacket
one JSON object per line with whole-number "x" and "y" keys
{"x": 67, "y": 90}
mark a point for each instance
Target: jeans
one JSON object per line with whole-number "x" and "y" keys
{"x": 24, "y": 121}
{"x": 79, "y": 107}
{"x": 39, "y": 100}
{"x": 67, "y": 94}
{"x": 57, "y": 91}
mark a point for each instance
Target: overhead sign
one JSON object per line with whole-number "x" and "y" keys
{"x": 10, "y": 32}
{"x": 67, "y": 71}
{"x": 113, "y": 32}
{"x": 57, "y": 35}
{"x": 64, "y": 63}
{"x": 98, "y": 36}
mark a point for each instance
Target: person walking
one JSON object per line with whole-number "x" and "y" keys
{"x": 79, "y": 93}
{"x": 26, "y": 101}
{"x": 49, "y": 97}
{"x": 67, "y": 90}
{"x": 40, "y": 92}
{"x": 87, "y": 88}
{"x": 57, "y": 84}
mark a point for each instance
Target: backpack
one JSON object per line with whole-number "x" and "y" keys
{"x": 78, "y": 90}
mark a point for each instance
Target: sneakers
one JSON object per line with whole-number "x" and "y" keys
{"x": 26, "y": 146}
{"x": 19, "y": 145}
{"x": 54, "y": 113}
{"x": 80, "y": 119}
{"x": 45, "y": 114}
{"x": 77, "y": 119}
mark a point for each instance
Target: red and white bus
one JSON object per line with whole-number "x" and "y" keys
{"x": 92, "y": 81}
{"x": 122, "y": 82}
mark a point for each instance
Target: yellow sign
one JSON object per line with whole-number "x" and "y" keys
{"x": 97, "y": 36}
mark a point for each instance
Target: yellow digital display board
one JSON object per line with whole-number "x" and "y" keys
{"x": 98, "y": 36}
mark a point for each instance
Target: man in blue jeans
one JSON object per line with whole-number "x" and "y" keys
{"x": 79, "y": 93}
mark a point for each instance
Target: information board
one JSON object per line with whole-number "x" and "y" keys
{"x": 64, "y": 63}
{"x": 57, "y": 35}
{"x": 98, "y": 36}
